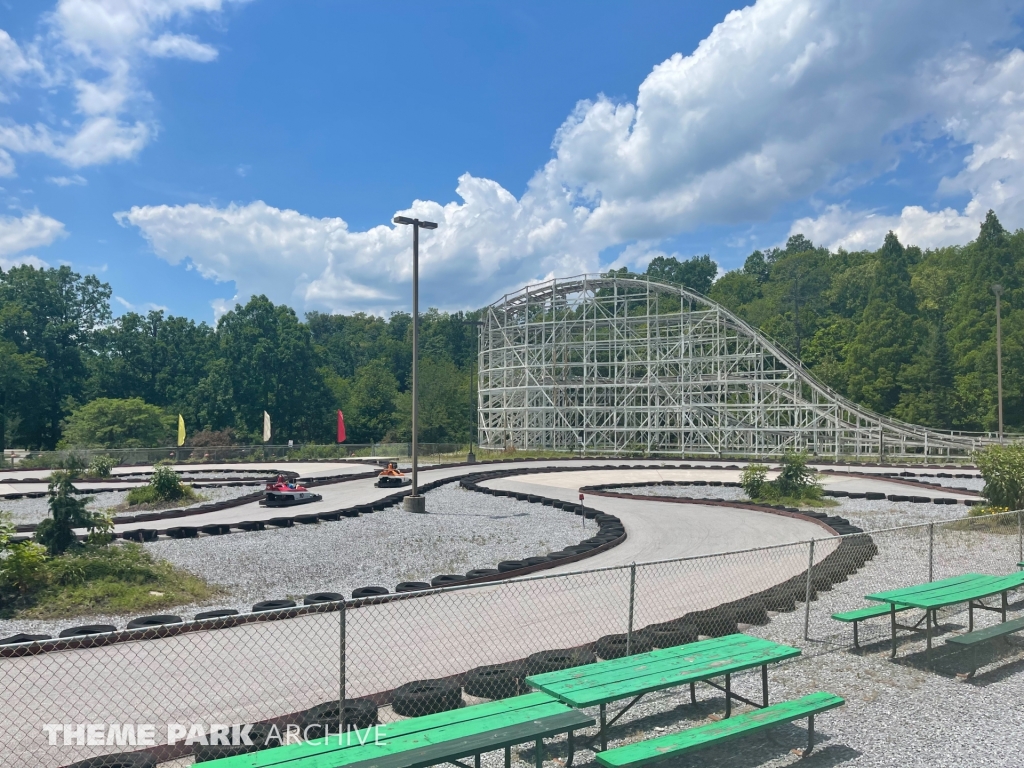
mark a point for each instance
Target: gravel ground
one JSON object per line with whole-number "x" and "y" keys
{"x": 27, "y": 511}
{"x": 464, "y": 530}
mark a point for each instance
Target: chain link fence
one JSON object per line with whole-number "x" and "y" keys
{"x": 409, "y": 654}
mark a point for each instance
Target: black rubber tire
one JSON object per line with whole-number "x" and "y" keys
{"x": 322, "y": 597}
{"x": 412, "y": 586}
{"x": 87, "y": 629}
{"x": 751, "y": 610}
{"x": 553, "y": 661}
{"x": 360, "y": 714}
{"x": 534, "y": 561}
{"x": 272, "y": 605}
{"x": 204, "y": 753}
{"x": 425, "y": 697}
{"x": 614, "y": 646}
{"x": 369, "y": 592}
{"x": 447, "y": 579}
{"x": 497, "y": 681}
{"x": 714, "y": 622}
{"x": 122, "y": 760}
{"x": 161, "y": 620}
{"x": 780, "y": 598}
{"x": 511, "y": 565}
{"x": 671, "y": 634}
{"x": 218, "y": 614}
{"x": 477, "y": 573}
{"x": 560, "y": 555}
{"x": 21, "y": 637}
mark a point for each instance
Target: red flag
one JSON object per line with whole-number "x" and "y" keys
{"x": 341, "y": 428}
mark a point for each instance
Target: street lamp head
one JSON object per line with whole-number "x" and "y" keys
{"x": 417, "y": 222}
{"x": 997, "y": 289}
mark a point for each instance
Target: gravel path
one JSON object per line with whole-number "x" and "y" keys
{"x": 27, "y": 511}
{"x": 464, "y": 530}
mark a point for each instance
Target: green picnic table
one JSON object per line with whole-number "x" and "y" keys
{"x": 418, "y": 742}
{"x": 970, "y": 588}
{"x": 633, "y": 676}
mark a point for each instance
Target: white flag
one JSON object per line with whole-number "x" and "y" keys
{"x": 266, "y": 427}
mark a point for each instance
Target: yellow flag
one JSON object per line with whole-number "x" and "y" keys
{"x": 181, "y": 430}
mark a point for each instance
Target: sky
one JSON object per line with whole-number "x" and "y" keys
{"x": 194, "y": 153}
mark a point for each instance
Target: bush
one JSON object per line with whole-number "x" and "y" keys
{"x": 796, "y": 480}
{"x": 1002, "y": 466}
{"x": 209, "y": 438}
{"x": 102, "y": 466}
{"x": 23, "y": 569}
{"x": 164, "y": 485}
{"x": 753, "y": 480}
{"x": 57, "y": 532}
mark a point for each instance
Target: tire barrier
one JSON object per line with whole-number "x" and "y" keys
{"x": 426, "y": 697}
{"x": 554, "y": 661}
{"x": 479, "y": 573}
{"x": 162, "y": 620}
{"x": 496, "y": 681}
{"x": 411, "y": 586}
{"x": 21, "y": 637}
{"x": 360, "y": 714}
{"x": 122, "y": 760}
{"x": 447, "y": 579}
{"x": 671, "y": 633}
{"x": 273, "y": 605}
{"x": 368, "y": 592}
{"x": 87, "y": 629}
{"x": 322, "y": 597}
{"x": 614, "y": 646}
{"x": 218, "y": 614}
{"x": 511, "y": 565}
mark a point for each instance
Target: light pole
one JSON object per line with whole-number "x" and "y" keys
{"x": 997, "y": 289}
{"x": 414, "y": 502}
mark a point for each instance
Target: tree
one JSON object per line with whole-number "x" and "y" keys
{"x": 57, "y": 532}
{"x": 697, "y": 273}
{"x": 111, "y": 423}
{"x": 371, "y": 409}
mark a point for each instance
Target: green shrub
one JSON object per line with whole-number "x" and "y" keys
{"x": 23, "y": 569}
{"x": 102, "y": 466}
{"x": 1002, "y": 466}
{"x": 164, "y": 485}
{"x": 753, "y": 480}
{"x": 57, "y": 532}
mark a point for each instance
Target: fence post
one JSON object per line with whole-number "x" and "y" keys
{"x": 341, "y": 667}
{"x": 1020, "y": 536}
{"x": 632, "y": 596}
{"x": 807, "y": 594}
{"x": 931, "y": 551}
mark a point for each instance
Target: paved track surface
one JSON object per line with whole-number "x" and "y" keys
{"x": 258, "y": 671}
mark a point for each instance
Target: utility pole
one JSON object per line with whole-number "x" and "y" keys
{"x": 997, "y": 289}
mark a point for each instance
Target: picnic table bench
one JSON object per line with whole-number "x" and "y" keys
{"x": 445, "y": 737}
{"x": 692, "y": 739}
{"x": 632, "y": 677}
{"x": 860, "y": 614}
{"x": 970, "y": 588}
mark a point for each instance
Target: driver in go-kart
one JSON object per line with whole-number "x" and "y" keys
{"x": 281, "y": 481}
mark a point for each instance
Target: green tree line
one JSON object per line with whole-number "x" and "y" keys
{"x": 906, "y": 332}
{"x": 65, "y": 360}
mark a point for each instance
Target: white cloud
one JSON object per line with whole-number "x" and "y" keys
{"x": 67, "y": 181}
{"x": 20, "y": 233}
{"x": 782, "y": 100}
{"x": 181, "y": 47}
{"x": 144, "y": 307}
{"x": 94, "y": 48}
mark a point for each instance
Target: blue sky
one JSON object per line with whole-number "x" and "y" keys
{"x": 194, "y": 152}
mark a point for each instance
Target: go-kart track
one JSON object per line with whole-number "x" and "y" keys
{"x": 263, "y": 669}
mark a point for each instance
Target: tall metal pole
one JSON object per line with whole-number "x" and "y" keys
{"x": 415, "y": 353}
{"x": 997, "y": 289}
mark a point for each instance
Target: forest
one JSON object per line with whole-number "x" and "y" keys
{"x": 906, "y": 332}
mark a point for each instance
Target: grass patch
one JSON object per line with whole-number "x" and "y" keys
{"x": 115, "y": 579}
{"x": 155, "y": 506}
